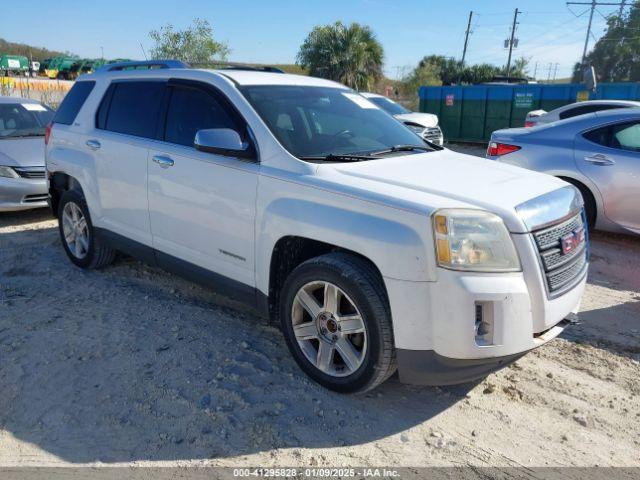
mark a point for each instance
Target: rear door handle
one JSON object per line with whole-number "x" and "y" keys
{"x": 599, "y": 159}
{"x": 93, "y": 144}
{"x": 163, "y": 161}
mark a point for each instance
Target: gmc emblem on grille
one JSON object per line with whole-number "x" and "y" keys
{"x": 572, "y": 241}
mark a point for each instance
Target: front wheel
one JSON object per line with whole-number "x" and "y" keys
{"x": 336, "y": 322}
{"x": 78, "y": 235}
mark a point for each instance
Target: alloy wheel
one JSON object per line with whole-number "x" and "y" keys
{"x": 329, "y": 328}
{"x": 75, "y": 230}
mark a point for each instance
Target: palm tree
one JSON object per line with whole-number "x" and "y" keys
{"x": 347, "y": 54}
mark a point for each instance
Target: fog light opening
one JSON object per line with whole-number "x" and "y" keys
{"x": 484, "y": 323}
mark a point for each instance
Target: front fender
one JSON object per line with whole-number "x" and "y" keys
{"x": 398, "y": 242}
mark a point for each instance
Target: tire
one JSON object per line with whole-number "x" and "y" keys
{"x": 92, "y": 252}
{"x": 368, "y": 357}
{"x": 590, "y": 208}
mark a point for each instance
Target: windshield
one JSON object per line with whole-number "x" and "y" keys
{"x": 23, "y": 119}
{"x": 389, "y": 106}
{"x": 321, "y": 122}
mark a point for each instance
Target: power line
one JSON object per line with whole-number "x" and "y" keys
{"x": 594, "y": 4}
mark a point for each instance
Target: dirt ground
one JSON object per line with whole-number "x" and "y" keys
{"x": 133, "y": 366}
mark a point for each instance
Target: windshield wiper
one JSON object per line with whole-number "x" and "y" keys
{"x": 403, "y": 148}
{"x": 337, "y": 157}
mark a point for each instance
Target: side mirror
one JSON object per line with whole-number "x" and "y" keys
{"x": 223, "y": 141}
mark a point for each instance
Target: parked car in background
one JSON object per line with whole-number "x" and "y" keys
{"x": 374, "y": 249}
{"x": 599, "y": 153}
{"x": 425, "y": 125}
{"x": 539, "y": 117}
{"x": 22, "y": 129}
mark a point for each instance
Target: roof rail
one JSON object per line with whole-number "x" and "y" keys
{"x": 265, "y": 68}
{"x": 251, "y": 68}
{"x": 141, "y": 65}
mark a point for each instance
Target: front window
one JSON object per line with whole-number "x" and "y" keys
{"x": 23, "y": 119}
{"x": 389, "y": 106}
{"x": 323, "y": 122}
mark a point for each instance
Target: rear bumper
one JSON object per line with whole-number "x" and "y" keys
{"x": 22, "y": 194}
{"x": 426, "y": 367}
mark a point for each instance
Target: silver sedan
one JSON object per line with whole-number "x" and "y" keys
{"x": 22, "y": 175}
{"x": 599, "y": 153}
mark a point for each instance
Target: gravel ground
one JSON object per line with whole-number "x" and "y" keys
{"x": 133, "y": 366}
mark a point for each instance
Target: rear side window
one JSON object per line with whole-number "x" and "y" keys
{"x": 131, "y": 108}
{"x": 622, "y": 136}
{"x": 574, "y": 112}
{"x": 193, "y": 109}
{"x": 73, "y": 102}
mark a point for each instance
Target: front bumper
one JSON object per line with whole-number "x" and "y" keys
{"x": 435, "y": 323}
{"x": 22, "y": 194}
{"x": 426, "y": 367}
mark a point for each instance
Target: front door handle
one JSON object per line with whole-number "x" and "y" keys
{"x": 599, "y": 159}
{"x": 93, "y": 144}
{"x": 163, "y": 161}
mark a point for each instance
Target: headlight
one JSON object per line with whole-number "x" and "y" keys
{"x": 416, "y": 129}
{"x": 473, "y": 240}
{"x": 8, "y": 172}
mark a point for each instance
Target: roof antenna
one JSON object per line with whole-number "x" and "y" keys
{"x": 143, "y": 52}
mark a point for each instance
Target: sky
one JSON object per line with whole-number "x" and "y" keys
{"x": 271, "y": 31}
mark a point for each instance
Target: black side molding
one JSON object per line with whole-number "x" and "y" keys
{"x": 223, "y": 285}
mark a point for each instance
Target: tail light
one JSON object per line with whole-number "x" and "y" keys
{"x": 529, "y": 123}
{"x": 47, "y": 133}
{"x": 498, "y": 149}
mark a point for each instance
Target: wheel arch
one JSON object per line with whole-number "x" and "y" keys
{"x": 289, "y": 251}
{"x": 59, "y": 182}
{"x": 585, "y": 190}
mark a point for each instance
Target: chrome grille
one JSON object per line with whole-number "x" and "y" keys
{"x": 562, "y": 271}
{"x": 565, "y": 276}
{"x": 432, "y": 133}
{"x": 550, "y": 237}
{"x": 30, "y": 172}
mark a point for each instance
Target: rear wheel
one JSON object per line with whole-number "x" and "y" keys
{"x": 77, "y": 233}
{"x": 336, "y": 321}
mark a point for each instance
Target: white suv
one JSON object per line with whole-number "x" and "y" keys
{"x": 374, "y": 250}
{"x": 424, "y": 125}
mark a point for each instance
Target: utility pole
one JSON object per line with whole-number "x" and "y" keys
{"x": 594, "y": 4}
{"x": 535, "y": 71}
{"x": 513, "y": 33}
{"x": 549, "y": 72}
{"x": 555, "y": 70}
{"x": 466, "y": 38}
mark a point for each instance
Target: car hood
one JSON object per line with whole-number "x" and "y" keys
{"x": 446, "y": 179}
{"x": 22, "y": 152}
{"x": 424, "y": 119}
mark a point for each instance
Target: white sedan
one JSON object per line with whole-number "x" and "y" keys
{"x": 425, "y": 125}
{"x": 538, "y": 117}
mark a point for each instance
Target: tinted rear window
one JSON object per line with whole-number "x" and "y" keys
{"x": 574, "y": 112}
{"x": 73, "y": 102}
{"x": 134, "y": 108}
